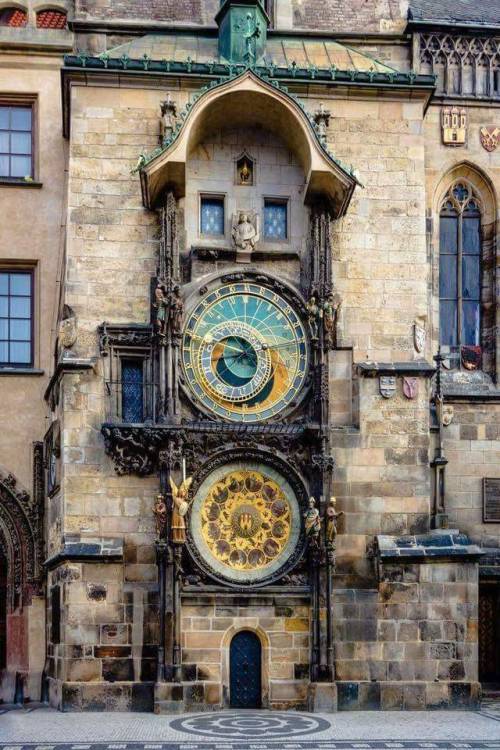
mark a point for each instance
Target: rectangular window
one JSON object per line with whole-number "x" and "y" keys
{"x": 212, "y": 216}
{"x": 275, "y": 219}
{"x": 16, "y": 142}
{"x": 132, "y": 390}
{"x": 16, "y": 317}
{"x": 55, "y": 611}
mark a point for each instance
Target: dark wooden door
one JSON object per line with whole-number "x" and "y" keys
{"x": 489, "y": 633}
{"x": 245, "y": 670}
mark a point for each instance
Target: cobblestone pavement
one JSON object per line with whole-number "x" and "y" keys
{"x": 45, "y": 729}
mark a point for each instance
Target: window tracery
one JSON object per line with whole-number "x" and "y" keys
{"x": 460, "y": 267}
{"x": 464, "y": 65}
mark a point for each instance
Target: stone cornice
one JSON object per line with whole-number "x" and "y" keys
{"x": 418, "y": 367}
{"x": 64, "y": 366}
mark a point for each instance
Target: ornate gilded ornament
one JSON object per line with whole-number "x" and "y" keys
{"x": 489, "y": 137}
{"x": 454, "y": 126}
{"x": 245, "y": 234}
{"x": 245, "y": 522}
{"x": 410, "y": 387}
{"x": 245, "y": 353}
{"x": 179, "y": 509}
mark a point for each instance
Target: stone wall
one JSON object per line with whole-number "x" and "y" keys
{"x": 472, "y": 447}
{"x": 208, "y": 624}
{"x": 411, "y": 643}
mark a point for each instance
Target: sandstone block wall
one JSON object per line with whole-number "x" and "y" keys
{"x": 411, "y": 643}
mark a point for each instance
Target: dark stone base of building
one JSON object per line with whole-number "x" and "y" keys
{"x": 102, "y": 696}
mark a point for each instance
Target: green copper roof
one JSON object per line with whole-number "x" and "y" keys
{"x": 280, "y": 52}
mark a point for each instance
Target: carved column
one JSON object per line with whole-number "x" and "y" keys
{"x": 167, "y": 338}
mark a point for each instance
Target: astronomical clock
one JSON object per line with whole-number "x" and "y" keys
{"x": 246, "y": 355}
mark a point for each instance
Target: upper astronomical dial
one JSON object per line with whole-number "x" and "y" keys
{"x": 245, "y": 352}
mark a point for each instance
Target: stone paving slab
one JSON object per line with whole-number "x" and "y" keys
{"x": 47, "y": 729}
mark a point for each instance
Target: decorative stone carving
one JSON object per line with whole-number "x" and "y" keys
{"x": 454, "y": 126}
{"x": 420, "y": 333}
{"x": 448, "y": 413}
{"x": 160, "y": 514}
{"x": 330, "y": 312}
{"x": 322, "y": 120}
{"x": 176, "y": 311}
{"x": 313, "y": 316}
{"x": 168, "y": 119}
{"x": 387, "y": 385}
{"x": 331, "y": 520}
{"x": 410, "y": 387}
{"x": 161, "y": 305}
{"x": 312, "y": 522}
{"x": 245, "y": 170}
{"x": 468, "y": 63}
{"x": 245, "y": 234}
{"x": 489, "y": 137}
{"x": 67, "y": 331}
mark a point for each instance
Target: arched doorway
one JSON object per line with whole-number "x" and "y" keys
{"x": 245, "y": 670}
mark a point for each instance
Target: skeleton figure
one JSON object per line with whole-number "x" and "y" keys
{"x": 331, "y": 307}
{"x": 160, "y": 514}
{"x": 312, "y": 521}
{"x": 180, "y": 509}
{"x": 331, "y": 520}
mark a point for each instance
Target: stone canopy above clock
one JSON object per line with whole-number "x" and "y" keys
{"x": 249, "y": 101}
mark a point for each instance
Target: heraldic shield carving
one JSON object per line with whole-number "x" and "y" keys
{"x": 489, "y": 137}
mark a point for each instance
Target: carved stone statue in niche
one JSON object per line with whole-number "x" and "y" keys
{"x": 176, "y": 310}
{"x": 168, "y": 118}
{"x": 161, "y": 304}
{"x": 312, "y": 522}
{"x": 331, "y": 520}
{"x": 160, "y": 514}
{"x": 245, "y": 234}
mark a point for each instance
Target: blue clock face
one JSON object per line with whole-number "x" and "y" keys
{"x": 245, "y": 353}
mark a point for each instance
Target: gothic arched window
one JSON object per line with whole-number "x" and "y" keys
{"x": 460, "y": 268}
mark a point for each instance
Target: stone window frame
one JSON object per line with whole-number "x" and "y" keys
{"x": 482, "y": 187}
{"x": 116, "y": 354}
{"x": 456, "y": 207}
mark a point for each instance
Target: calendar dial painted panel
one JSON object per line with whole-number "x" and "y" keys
{"x": 245, "y": 352}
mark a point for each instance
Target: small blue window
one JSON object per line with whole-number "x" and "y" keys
{"x": 132, "y": 390}
{"x": 275, "y": 220}
{"x": 212, "y": 217}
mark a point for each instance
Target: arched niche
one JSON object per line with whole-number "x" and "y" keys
{"x": 249, "y": 101}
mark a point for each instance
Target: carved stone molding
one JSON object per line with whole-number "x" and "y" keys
{"x": 20, "y": 538}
